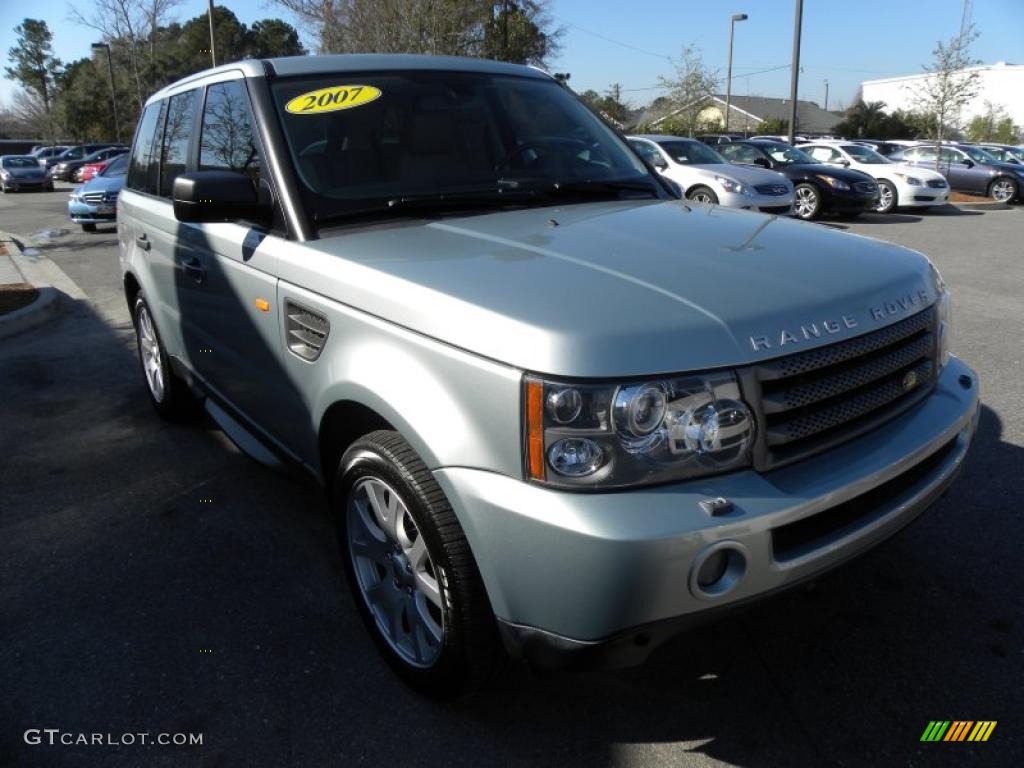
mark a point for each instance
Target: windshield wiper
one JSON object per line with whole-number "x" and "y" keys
{"x": 477, "y": 200}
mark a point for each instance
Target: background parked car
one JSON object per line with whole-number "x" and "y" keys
{"x": 706, "y": 176}
{"x": 714, "y": 139}
{"x": 47, "y": 156}
{"x": 75, "y": 157}
{"x": 21, "y": 172}
{"x": 969, "y": 169}
{"x": 1004, "y": 152}
{"x": 95, "y": 202}
{"x": 884, "y": 148}
{"x": 898, "y": 184}
{"x": 90, "y": 170}
{"x": 95, "y": 158}
{"x": 818, "y": 188}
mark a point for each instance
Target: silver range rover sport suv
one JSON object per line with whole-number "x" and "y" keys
{"x": 559, "y": 414}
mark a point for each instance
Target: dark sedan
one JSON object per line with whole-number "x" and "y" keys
{"x": 21, "y": 172}
{"x": 818, "y": 188}
{"x": 69, "y": 162}
{"x": 969, "y": 169}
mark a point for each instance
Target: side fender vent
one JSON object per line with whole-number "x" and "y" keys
{"x": 306, "y": 331}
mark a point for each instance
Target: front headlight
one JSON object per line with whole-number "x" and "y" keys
{"x": 613, "y": 435}
{"x": 911, "y": 180}
{"x": 731, "y": 185}
{"x": 833, "y": 182}
{"x": 5, "y": 175}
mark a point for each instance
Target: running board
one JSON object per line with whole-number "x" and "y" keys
{"x": 247, "y": 443}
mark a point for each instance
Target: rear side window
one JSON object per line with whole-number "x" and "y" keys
{"x": 142, "y": 171}
{"x": 227, "y": 142}
{"x": 178, "y": 132}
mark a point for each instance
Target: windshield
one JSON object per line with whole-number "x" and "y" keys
{"x": 368, "y": 141}
{"x": 691, "y": 153}
{"x": 865, "y": 155}
{"x": 979, "y": 155}
{"x": 786, "y": 155}
{"x": 118, "y": 166}
{"x": 20, "y": 162}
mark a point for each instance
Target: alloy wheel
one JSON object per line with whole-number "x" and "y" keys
{"x": 1003, "y": 190}
{"x": 885, "y": 198}
{"x": 806, "y": 202}
{"x": 394, "y": 572}
{"x": 149, "y": 349}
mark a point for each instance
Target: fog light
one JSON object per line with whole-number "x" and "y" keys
{"x": 575, "y": 457}
{"x": 718, "y": 569}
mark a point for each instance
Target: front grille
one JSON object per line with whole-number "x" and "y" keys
{"x": 100, "y": 197}
{"x": 937, "y": 183}
{"x": 865, "y": 186}
{"x": 772, "y": 189}
{"x": 812, "y": 400}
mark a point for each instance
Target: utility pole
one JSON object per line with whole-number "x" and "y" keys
{"x": 213, "y": 46}
{"x": 794, "y": 80}
{"x": 728, "y": 80}
{"x": 826, "y": 94}
{"x": 113, "y": 96}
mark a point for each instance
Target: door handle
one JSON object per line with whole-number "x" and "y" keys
{"x": 194, "y": 269}
{"x": 143, "y": 242}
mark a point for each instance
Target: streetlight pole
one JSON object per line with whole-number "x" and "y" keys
{"x": 826, "y": 94}
{"x": 795, "y": 66}
{"x": 213, "y": 47}
{"x": 113, "y": 96}
{"x": 728, "y": 80}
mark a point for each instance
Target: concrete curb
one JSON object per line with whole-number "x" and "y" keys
{"x": 979, "y": 206}
{"x": 44, "y": 276}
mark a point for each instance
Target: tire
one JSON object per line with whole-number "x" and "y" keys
{"x": 88, "y": 227}
{"x": 1004, "y": 189}
{"x": 887, "y": 197}
{"x": 806, "y": 202}
{"x": 171, "y": 397}
{"x": 414, "y": 580}
{"x": 702, "y": 194}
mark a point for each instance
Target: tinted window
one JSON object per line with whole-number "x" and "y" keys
{"x": 177, "y": 137}
{"x": 139, "y": 175}
{"x": 691, "y": 153}
{"x": 227, "y": 142}
{"x": 739, "y": 153}
{"x": 647, "y": 152}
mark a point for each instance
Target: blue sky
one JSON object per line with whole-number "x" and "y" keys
{"x": 606, "y": 42}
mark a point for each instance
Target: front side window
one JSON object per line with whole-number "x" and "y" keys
{"x": 691, "y": 153}
{"x": 825, "y": 154}
{"x": 787, "y": 155}
{"x": 978, "y": 155}
{"x": 360, "y": 142}
{"x": 739, "y": 153}
{"x": 865, "y": 155}
{"x": 648, "y": 152}
{"x": 227, "y": 141}
{"x": 143, "y": 159}
{"x": 177, "y": 137}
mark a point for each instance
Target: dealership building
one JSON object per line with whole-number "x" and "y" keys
{"x": 1001, "y": 84}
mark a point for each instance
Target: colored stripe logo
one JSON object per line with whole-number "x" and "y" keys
{"x": 958, "y": 730}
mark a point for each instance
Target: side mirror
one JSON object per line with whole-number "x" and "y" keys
{"x": 762, "y": 161}
{"x": 212, "y": 196}
{"x": 659, "y": 163}
{"x": 969, "y": 163}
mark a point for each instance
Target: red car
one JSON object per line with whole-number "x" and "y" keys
{"x": 89, "y": 170}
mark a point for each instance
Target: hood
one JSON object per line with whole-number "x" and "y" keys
{"x": 619, "y": 288}
{"x": 745, "y": 174}
{"x": 27, "y": 173}
{"x": 102, "y": 184}
{"x": 803, "y": 170}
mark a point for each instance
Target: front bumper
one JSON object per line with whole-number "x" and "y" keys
{"x": 921, "y": 196}
{"x": 22, "y": 185}
{"x": 604, "y": 577}
{"x": 84, "y": 213}
{"x": 777, "y": 204}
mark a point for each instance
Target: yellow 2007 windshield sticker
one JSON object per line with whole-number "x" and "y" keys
{"x": 331, "y": 99}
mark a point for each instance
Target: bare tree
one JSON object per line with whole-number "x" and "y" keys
{"x": 135, "y": 24}
{"x": 947, "y": 86}
{"x": 689, "y": 90}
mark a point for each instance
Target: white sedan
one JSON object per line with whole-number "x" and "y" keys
{"x": 899, "y": 184}
{"x": 706, "y": 176}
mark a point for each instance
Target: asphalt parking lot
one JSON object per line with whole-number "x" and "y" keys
{"x": 153, "y": 579}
